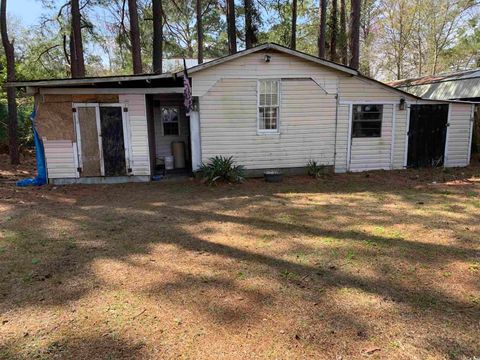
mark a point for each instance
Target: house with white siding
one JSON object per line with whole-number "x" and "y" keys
{"x": 269, "y": 107}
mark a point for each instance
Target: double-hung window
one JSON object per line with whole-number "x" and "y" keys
{"x": 367, "y": 121}
{"x": 268, "y": 106}
{"x": 169, "y": 116}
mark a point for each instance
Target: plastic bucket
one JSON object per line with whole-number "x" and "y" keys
{"x": 169, "y": 162}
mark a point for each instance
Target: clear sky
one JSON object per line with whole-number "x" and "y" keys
{"x": 26, "y": 11}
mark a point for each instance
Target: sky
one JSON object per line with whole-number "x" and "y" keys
{"x": 26, "y": 11}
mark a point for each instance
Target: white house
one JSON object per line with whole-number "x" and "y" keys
{"x": 268, "y": 107}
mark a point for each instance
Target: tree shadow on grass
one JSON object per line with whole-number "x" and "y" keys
{"x": 132, "y": 226}
{"x": 95, "y": 346}
{"x": 70, "y": 261}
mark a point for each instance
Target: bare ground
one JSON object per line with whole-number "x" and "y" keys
{"x": 382, "y": 266}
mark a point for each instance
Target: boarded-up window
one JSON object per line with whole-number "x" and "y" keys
{"x": 268, "y": 105}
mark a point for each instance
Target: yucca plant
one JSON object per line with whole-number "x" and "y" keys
{"x": 315, "y": 170}
{"x": 221, "y": 168}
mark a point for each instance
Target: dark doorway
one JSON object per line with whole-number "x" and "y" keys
{"x": 169, "y": 135}
{"x": 112, "y": 140}
{"x": 427, "y": 135}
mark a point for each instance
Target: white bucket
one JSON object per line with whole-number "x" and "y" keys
{"x": 168, "y": 162}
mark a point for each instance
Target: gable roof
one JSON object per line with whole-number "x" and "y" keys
{"x": 150, "y": 80}
{"x": 92, "y": 81}
{"x": 274, "y": 47}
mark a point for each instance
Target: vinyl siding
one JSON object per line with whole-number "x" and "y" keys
{"x": 60, "y": 158}
{"x": 228, "y": 125}
{"x": 254, "y": 66}
{"x": 459, "y": 135}
{"x": 357, "y": 89}
{"x": 138, "y": 133}
{"x": 400, "y": 138}
{"x": 373, "y": 153}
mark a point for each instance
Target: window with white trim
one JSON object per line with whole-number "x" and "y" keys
{"x": 268, "y": 105}
{"x": 367, "y": 121}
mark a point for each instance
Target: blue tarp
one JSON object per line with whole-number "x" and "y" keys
{"x": 41, "y": 178}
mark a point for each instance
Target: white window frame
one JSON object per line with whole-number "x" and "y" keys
{"x": 279, "y": 96}
{"x": 381, "y": 120}
{"x": 178, "y": 119}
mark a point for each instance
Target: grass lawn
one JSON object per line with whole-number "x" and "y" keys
{"x": 384, "y": 266}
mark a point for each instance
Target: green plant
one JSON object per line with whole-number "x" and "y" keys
{"x": 314, "y": 169}
{"x": 222, "y": 168}
{"x": 24, "y": 126}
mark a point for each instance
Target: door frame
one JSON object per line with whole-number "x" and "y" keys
{"x": 407, "y": 130}
{"x": 126, "y": 133}
{"x": 384, "y": 103}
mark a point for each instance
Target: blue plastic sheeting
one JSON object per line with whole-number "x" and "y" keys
{"x": 41, "y": 178}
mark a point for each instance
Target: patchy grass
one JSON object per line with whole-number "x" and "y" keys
{"x": 346, "y": 266}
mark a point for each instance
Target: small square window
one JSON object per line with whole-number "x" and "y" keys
{"x": 170, "y": 121}
{"x": 367, "y": 121}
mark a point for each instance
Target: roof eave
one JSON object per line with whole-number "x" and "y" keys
{"x": 86, "y": 81}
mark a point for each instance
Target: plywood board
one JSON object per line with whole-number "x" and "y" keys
{"x": 89, "y": 142}
{"x": 54, "y": 118}
{"x": 54, "y": 121}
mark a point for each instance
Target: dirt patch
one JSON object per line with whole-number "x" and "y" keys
{"x": 384, "y": 265}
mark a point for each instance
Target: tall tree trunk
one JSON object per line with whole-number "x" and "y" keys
{"x": 293, "y": 40}
{"x": 249, "y": 31}
{"x": 12, "y": 104}
{"x": 157, "y": 13}
{"x": 323, "y": 28}
{"x": 343, "y": 33}
{"x": 135, "y": 37}
{"x": 333, "y": 32}
{"x": 73, "y": 61}
{"x": 355, "y": 34}
{"x": 231, "y": 27}
{"x": 76, "y": 44}
{"x": 199, "y": 32}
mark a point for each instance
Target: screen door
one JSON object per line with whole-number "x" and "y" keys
{"x": 113, "y": 146}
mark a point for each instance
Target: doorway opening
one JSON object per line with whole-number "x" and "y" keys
{"x": 427, "y": 135}
{"x": 102, "y": 145}
{"x": 169, "y": 135}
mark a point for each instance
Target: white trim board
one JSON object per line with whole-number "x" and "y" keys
{"x": 349, "y": 140}
{"x": 392, "y": 134}
{"x": 472, "y": 121}
{"x": 368, "y": 102}
{"x": 407, "y": 129}
{"x": 445, "y": 154}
